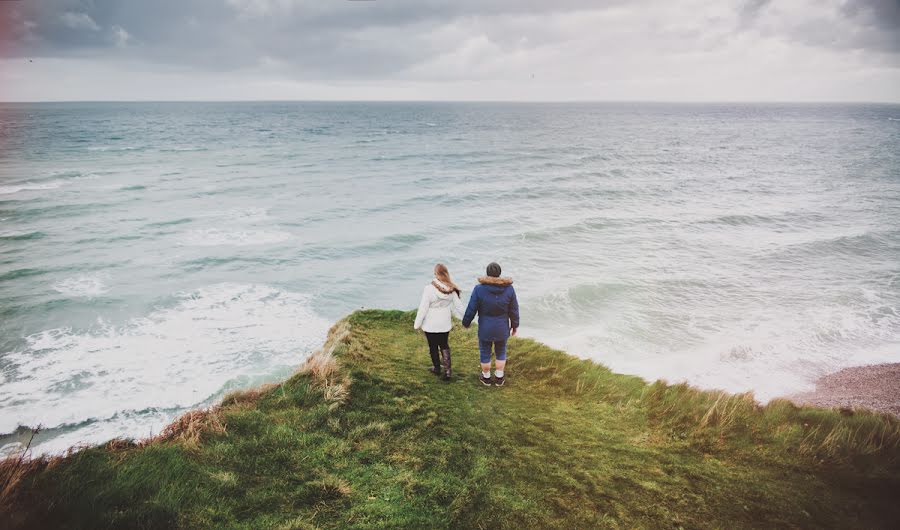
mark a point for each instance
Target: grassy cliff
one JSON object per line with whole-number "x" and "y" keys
{"x": 364, "y": 437}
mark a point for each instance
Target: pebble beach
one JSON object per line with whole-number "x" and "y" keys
{"x": 875, "y": 387}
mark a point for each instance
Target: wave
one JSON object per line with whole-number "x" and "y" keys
{"x": 114, "y": 148}
{"x": 63, "y": 210}
{"x": 29, "y": 186}
{"x": 174, "y": 358}
{"x": 394, "y": 243}
{"x": 51, "y": 182}
{"x": 21, "y": 236}
{"x": 126, "y": 237}
{"x": 208, "y": 262}
{"x": 865, "y": 245}
{"x": 738, "y": 220}
{"x": 21, "y": 273}
{"x": 214, "y": 237}
{"x": 172, "y": 222}
{"x": 182, "y": 149}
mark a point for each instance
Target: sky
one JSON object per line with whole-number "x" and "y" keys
{"x": 519, "y": 50}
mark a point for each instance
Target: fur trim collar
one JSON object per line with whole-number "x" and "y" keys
{"x": 502, "y": 281}
{"x": 440, "y": 286}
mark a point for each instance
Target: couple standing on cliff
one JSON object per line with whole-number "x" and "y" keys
{"x": 493, "y": 299}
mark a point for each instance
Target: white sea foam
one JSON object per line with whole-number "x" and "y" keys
{"x": 238, "y": 238}
{"x": 64, "y": 180}
{"x": 770, "y": 351}
{"x": 30, "y": 186}
{"x": 83, "y": 286}
{"x": 113, "y": 380}
{"x": 11, "y": 449}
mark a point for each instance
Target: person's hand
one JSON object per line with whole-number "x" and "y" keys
{"x": 513, "y": 331}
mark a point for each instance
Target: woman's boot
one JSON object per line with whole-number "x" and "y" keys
{"x": 445, "y": 362}
{"x": 435, "y": 363}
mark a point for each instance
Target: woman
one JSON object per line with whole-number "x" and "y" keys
{"x": 494, "y": 300}
{"x": 439, "y": 299}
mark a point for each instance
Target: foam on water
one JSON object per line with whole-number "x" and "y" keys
{"x": 29, "y": 186}
{"x": 174, "y": 358}
{"x": 750, "y": 346}
{"x": 86, "y": 286}
{"x": 64, "y": 179}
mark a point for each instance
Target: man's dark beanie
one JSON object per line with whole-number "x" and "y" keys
{"x": 493, "y": 270}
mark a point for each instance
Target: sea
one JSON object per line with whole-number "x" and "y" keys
{"x": 155, "y": 256}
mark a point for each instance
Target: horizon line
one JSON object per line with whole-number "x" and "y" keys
{"x": 650, "y": 101}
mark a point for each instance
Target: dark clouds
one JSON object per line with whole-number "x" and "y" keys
{"x": 326, "y": 37}
{"x": 334, "y": 39}
{"x": 880, "y": 20}
{"x": 538, "y": 49}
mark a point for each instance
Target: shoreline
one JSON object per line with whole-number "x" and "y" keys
{"x": 875, "y": 387}
{"x": 354, "y": 437}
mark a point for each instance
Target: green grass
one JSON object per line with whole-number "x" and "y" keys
{"x": 367, "y": 438}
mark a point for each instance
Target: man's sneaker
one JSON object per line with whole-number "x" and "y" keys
{"x": 486, "y": 381}
{"x": 498, "y": 381}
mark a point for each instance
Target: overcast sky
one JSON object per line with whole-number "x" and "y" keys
{"x": 662, "y": 50}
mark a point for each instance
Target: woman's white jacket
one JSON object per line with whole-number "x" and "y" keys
{"x": 435, "y": 308}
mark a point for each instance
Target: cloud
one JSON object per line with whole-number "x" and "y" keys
{"x": 613, "y": 46}
{"x": 119, "y": 36}
{"x": 78, "y": 21}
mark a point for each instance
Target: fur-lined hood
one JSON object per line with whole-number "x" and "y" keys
{"x": 443, "y": 288}
{"x": 502, "y": 281}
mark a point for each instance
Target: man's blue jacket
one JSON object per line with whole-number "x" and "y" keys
{"x": 494, "y": 299}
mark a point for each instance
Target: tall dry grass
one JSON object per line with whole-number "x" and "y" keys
{"x": 702, "y": 417}
{"x": 323, "y": 368}
{"x": 14, "y": 468}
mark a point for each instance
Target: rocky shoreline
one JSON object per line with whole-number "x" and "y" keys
{"x": 875, "y": 387}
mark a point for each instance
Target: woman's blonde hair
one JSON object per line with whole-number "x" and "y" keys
{"x": 442, "y": 274}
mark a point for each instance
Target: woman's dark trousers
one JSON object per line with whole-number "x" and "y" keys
{"x": 439, "y": 349}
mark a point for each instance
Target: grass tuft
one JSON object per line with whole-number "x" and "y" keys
{"x": 193, "y": 426}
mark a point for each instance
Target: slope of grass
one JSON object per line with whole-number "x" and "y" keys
{"x": 364, "y": 437}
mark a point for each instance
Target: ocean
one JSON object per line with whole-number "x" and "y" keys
{"x": 154, "y": 256}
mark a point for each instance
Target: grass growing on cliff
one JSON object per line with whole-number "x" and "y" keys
{"x": 364, "y": 437}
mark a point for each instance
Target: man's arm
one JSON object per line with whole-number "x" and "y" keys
{"x": 471, "y": 309}
{"x": 513, "y": 312}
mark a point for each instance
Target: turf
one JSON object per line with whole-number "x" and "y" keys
{"x": 365, "y": 437}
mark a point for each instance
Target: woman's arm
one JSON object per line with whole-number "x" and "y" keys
{"x": 423, "y": 307}
{"x": 456, "y": 305}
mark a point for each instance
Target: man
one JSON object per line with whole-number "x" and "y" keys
{"x": 494, "y": 299}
